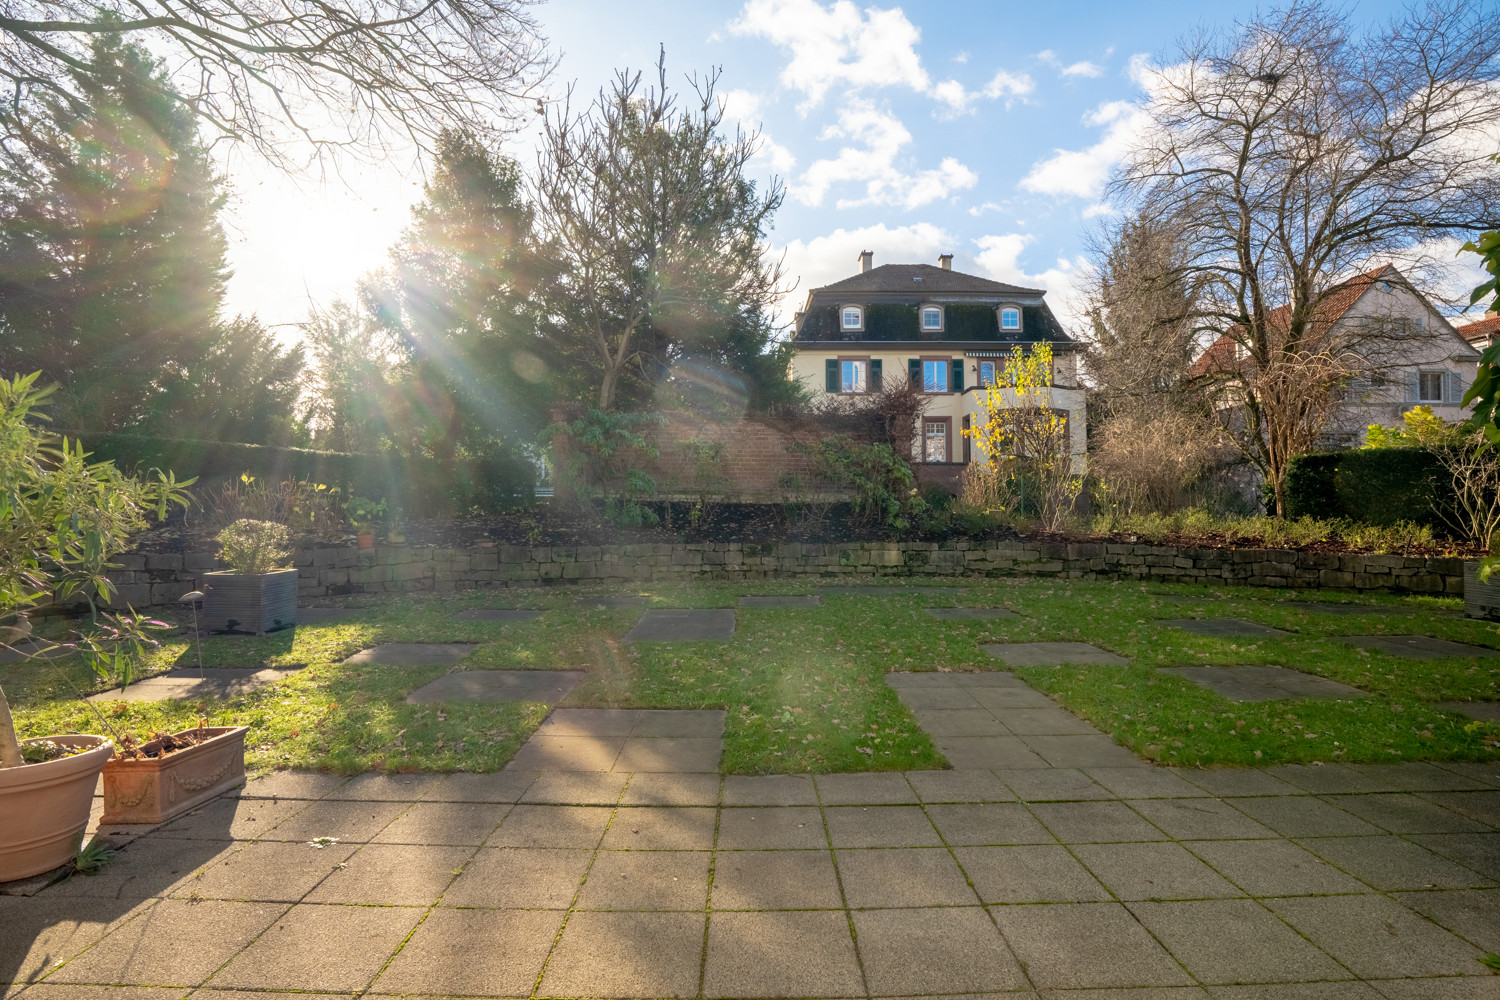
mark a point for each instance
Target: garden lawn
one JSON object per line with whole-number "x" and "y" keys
{"x": 803, "y": 686}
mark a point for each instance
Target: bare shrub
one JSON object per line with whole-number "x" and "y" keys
{"x": 1149, "y": 461}
{"x": 308, "y": 509}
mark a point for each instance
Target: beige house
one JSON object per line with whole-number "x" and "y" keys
{"x": 947, "y": 331}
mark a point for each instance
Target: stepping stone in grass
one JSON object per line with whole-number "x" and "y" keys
{"x": 892, "y": 590}
{"x": 681, "y": 624}
{"x": 498, "y": 615}
{"x": 608, "y": 602}
{"x": 414, "y": 654}
{"x": 1417, "y": 647}
{"x": 1484, "y": 711}
{"x": 1264, "y": 683}
{"x": 317, "y": 616}
{"x": 33, "y": 649}
{"x": 796, "y": 601}
{"x": 971, "y": 614}
{"x": 184, "y": 683}
{"x": 1221, "y": 627}
{"x": 1051, "y": 654}
{"x": 546, "y": 686}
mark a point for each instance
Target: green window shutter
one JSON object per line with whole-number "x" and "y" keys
{"x": 831, "y": 374}
{"x": 875, "y": 375}
{"x": 958, "y": 375}
{"x": 914, "y": 371}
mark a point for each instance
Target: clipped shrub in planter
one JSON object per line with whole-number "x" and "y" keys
{"x": 258, "y": 593}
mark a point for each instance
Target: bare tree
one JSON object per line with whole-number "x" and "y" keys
{"x": 1291, "y": 153}
{"x": 1149, "y": 456}
{"x": 274, "y": 75}
{"x": 655, "y": 232}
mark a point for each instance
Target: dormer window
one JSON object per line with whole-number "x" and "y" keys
{"x": 1010, "y": 318}
{"x": 932, "y": 319}
{"x": 852, "y": 318}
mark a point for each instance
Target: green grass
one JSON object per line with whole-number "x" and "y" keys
{"x": 803, "y": 687}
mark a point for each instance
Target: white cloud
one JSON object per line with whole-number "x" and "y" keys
{"x": 1006, "y": 84}
{"x": 1099, "y": 208}
{"x": 1000, "y": 258}
{"x": 989, "y": 206}
{"x": 746, "y": 108}
{"x": 1081, "y": 68}
{"x": 875, "y": 140}
{"x": 962, "y": 58}
{"x": 828, "y": 258}
{"x": 1083, "y": 173}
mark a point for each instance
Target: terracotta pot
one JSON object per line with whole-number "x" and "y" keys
{"x": 44, "y": 808}
{"x": 366, "y": 539}
{"x": 158, "y": 788}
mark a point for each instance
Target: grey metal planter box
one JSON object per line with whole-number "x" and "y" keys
{"x": 1481, "y": 600}
{"x": 249, "y": 605}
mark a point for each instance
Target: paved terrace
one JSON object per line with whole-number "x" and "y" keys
{"x": 614, "y": 861}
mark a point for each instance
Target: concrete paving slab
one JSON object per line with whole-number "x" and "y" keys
{"x": 960, "y": 722}
{"x": 327, "y": 948}
{"x": 984, "y": 752}
{"x": 1417, "y": 647}
{"x": 1050, "y": 721}
{"x": 1263, "y": 683}
{"x": 991, "y": 823}
{"x": 502, "y": 786}
{"x": 383, "y": 788}
{"x": 1377, "y": 938}
{"x": 1472, "y": 914}
{"x": 864, "y": 789}
{"x": 891, "y": 590}
{"x": 1487, "y": 774}
{"x": 958, "y": 786}
{"x": 683, "y": 625}
{"x": 1325, "y": 608}
{"x": 414, "y": 654}
{"x": 1222, "y": 628}
{"x": 349, "y": 822}
{"x": 1483, "y": 806}
{"x": 466, "y": 824}
{"x": 1153, "y": 871}
{"x": 489, "y": 686}
{"x": 468, "y": 952}
{"x": 1047, "y": 654}
{"x": 643, "y": 828}
{"x": 1437, "y": 989}
{"x": 174, "y": 943}
{"x": 146, "y": 867}
{"x": 938, "y": 698}
{"x": 682, "y": 723}
{"x": 567, "y": 753}
{"x": 779, "y": 954}
{"x": 918, "y": 876}
{"x": 1303, "y": 816}
{"x": 392, "y": 875}
{"x": 1273, "y": 868}
{"x": 880, "y": 826}
{"x": 769, "y": 790}
{"x": 1086, "y": 946}
{"x": 1484, "y": 711}
{"x": 576, "y": 788}
{"x": 498, "y": 615}
{"x": 910, "y": 952}
{"x": 775, "y": 880}
{"x": 265, "y": 872}
{"x": 1200, "y": 819}
{"x": 1055, "y": 784}
{"x": 647, "y": 880}
{"x": 666, "y": 754}
{"x": 589, "y": 722}
{"x": 973, "y": 614}
{"x": 291, "y": 785}
{"x": 1009, "y": 697}
{"x": 1144, "y": 783}
{"x": 1419, "y": 776}
{"x": 1230, "y": 782}
{"x": 652, "y": 789}
{"x": 552, "y": 826}
{"x": 1402, "y": 812}
{"x": 1235, "y": 941}
{"x": 1479, "y": 852}
{"x": 1040, "y": 873}
{"x": 520, "y": 877}
{"x": 771, "y": 828}
{"x": 608, "y": 602}
{"x": 1391, "y": 863}
{"x": 793, "y": 601}
{"x": 1081, "y": 751}
{"x": 627, "y": 955}
{"x": 231, "y": 817}
{"x": 41, "y": 932}
{"x": 188, "y": 683}
{"x": 1095, "y": 822}
{"x": 1331, "y": 779}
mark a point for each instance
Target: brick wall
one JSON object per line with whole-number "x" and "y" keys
{"x": 157, "y": 579}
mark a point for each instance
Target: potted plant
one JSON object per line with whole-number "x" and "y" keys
{"x": 363, "y": 513}
{"x": 396, "y": 528}
{"x": 165, "y": 777}
{"x": 257, "y": 594}
{"x": 65, "y": 519}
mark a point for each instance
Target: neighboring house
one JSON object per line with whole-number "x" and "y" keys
{"x": 949, "y": 331}
{"x": 1481, "y": 333}
{"x": 1423, "y": 360}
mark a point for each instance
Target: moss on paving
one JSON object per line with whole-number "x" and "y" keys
{"x": 803, "y": 686}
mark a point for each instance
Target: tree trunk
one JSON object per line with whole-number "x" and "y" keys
{"x": 10, "y": 746}
{"x": 607, "y": 389}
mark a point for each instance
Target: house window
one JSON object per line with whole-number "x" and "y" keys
{"x": 935, "y": 376}
{"x": 932, "y": 318}
{"x": 986, "y": 373}
{"x": 935, "y": 440}
{"x": 854, "y": 376}
{"x": 1010, "y": 318}
{"x": 1430, "y": 387}
{"x": 853, "y": 318}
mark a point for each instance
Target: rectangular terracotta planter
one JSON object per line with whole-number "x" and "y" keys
{"x": 249, "y": 605}
{"x": 156, "y": 789}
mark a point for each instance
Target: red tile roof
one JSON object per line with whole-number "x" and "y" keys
{"x": 1484, "y": 329}
{"x": 1220, "y": 355}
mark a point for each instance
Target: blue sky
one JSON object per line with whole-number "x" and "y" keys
{"x": 983, "y": 129}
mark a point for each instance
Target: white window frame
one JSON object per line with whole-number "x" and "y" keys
{"x": 1442, "y": 386}
{"x": 844, "y": 312}
{"x": 938, "y": 326}
{"x": 942, "y": 368}
{"x": 994, "y": 376}
{"x": 1016, "y": 310}
{"x": 854, "y": 375}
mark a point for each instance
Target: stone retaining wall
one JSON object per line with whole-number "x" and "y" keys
{"x": 147, "y": 579}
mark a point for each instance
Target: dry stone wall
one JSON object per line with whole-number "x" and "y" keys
{"x": 147, "y": 579}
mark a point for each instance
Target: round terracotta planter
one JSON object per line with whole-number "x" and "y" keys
{"x": 44, "y": 808}
{"x": 366, "y": 539}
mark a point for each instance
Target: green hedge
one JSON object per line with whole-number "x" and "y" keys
{"x": 421, "y": 487}
{"x": 1373, "y": 486}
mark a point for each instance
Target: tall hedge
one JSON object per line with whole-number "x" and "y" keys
{"x": 421, "y": 487}
{"x": 1374, "y": 486}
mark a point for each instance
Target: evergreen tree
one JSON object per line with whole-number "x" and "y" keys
{"x": 111, "y": 255}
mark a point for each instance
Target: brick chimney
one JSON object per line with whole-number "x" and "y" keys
{"x": 866, "y": 260}
{"x": 945, "y": 261}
